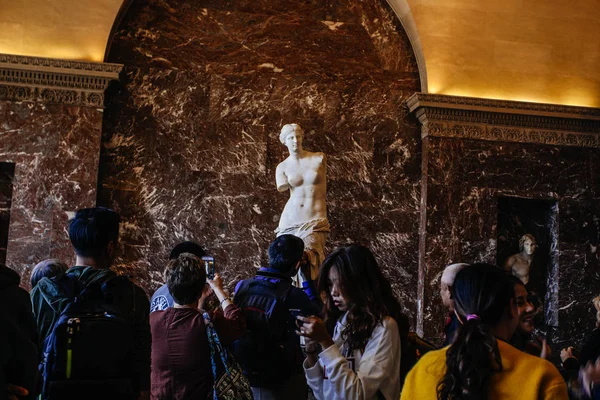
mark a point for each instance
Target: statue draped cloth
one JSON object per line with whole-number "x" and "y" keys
{"x": 314, "y": 235}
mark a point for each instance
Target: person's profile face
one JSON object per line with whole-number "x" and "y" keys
{"x": 525, "y": 310}
{"x": 529, "y": 247}
{"x": 445, "y": 295}
{"x": 335, "y": 290}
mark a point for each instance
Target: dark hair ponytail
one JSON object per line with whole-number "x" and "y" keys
{"x": 481, "y": 294}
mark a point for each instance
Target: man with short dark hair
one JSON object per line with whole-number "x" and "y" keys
{"x": 271, "y": 374}
{"x": 94, "y": 234}
{"x": 162, "y": 299}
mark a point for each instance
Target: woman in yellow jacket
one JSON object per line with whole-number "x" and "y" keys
{"x": 480, "y": 364}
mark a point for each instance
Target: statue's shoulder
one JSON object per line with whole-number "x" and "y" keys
{"x": 319, "y": 156}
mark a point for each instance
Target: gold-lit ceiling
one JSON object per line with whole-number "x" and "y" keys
{"x": 545, "y": 51}
{"x": 68, "y": 29}
{"x": 532, "y": 50}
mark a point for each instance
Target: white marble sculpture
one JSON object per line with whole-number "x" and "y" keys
{"x": 520, "y": 264}
{"x": 303, "y": 173}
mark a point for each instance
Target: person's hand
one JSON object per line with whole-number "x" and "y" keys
{"x": 14, "y": 391}
{"x": 546, "y": 351}
{"x": 207, "y": 291}
{"x": 566, "y": 353}
{"x": 310, "y": 346}
{"x": 314, "y": 328}
{"x": 216, "y": 282}
{"x": 305, "y": 267}
{"x": 590, "y": 376}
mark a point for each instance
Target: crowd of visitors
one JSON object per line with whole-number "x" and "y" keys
{"x": 83, "y": 332}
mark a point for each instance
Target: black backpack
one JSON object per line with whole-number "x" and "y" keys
{"x": 270, "y": 351}
{"x": 89, "y": 353}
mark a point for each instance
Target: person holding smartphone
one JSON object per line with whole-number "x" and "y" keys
{"x": 181, "y": 360}
{"x": 270, "y": 353}
{"x": 360, "y": 339}
{"x": 162, "y": 299}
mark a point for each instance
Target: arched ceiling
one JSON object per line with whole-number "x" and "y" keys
{"x": 68, "y": 29}
{"x": 532, "y": 50}
{"x": 544, "y": 51}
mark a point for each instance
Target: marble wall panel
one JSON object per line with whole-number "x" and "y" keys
{"x": 190, "y": 142}
{"x": 55, "y": 150}
{"x": 464, "y": 180}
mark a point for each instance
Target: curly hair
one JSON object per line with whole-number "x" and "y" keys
{"x": 525, "y": 238}
{"x": 185, "y": 278}
{"x": 481, "y": 294}
{"x": 289, "y": 128}
{"x": 369, "y": 295}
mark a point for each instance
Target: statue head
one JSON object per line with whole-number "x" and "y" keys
{"x": 446, "y": 282}
{"x": 291, "y": 135}
{"x": 527, "y": 244}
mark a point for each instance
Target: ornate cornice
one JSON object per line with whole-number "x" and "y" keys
{"x": 506, "y": 121}
{"x": 55, "y": 81}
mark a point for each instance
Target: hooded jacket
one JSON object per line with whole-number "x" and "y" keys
{"x": 49, "y": 300}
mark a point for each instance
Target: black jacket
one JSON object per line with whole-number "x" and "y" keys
{"x": 15, "y": 302}
{"x": 19, "y": 355}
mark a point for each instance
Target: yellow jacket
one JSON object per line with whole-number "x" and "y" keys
{"x": 523, "y": 377}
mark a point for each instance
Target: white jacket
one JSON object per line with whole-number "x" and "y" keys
{"x": 377, "y": 369}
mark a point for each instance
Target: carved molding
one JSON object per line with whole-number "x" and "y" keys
{"x": 506, "y": 121}
{"x": 55, "y": 81}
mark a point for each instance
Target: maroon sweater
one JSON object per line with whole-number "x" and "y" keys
{"x": 181, "y": 367}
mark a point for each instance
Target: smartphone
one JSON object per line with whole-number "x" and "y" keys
{"x": 294, "y": 312}
{"x": 209, "y": 265}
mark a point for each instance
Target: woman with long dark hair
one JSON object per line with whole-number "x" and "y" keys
{"x": 361, "y": 335}
{"x": 480, "y": 364}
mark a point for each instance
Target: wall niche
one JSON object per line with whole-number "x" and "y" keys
{"x": 537, "y": 217}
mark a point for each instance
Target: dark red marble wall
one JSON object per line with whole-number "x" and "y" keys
{"x": 55, "y": 151}
{"x": 190, "y": 143}
{"x": 464, "y": 180}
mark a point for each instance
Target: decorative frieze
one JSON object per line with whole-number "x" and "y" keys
{"x": 506, "y": 121}
{"x": 55, "y": 81}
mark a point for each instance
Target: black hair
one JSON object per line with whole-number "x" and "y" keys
{"x": 47, "y": 269}
{"x": 185, "y": 278}
{"x": 187, "y": 247}
{"x": 285, "y": 252}
{"x": 369, "y": 294}
{"x": 92, "y": 229}
{"x": 481, "y": 294}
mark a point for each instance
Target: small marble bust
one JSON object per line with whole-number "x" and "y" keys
{"x": 520, "y": 264}
{"x": 303, "y": 173}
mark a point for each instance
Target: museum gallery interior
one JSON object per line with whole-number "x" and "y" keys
{"x": 454, "y": 131}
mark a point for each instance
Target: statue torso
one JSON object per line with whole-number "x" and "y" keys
{"x": 306, "y": 178}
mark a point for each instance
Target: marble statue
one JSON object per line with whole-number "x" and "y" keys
{"x": 520, "y": 264}
{"x": 303, "y": 173}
